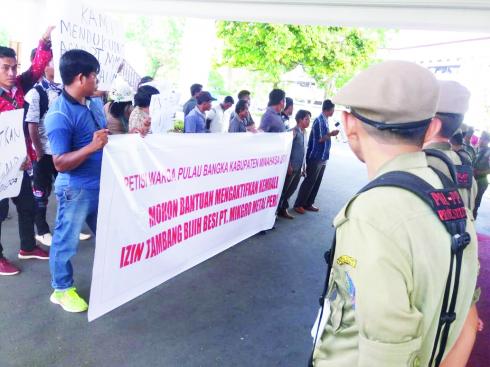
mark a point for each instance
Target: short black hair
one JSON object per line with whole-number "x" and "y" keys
{"x": 195, "y": 88}
{"x": 142, "y": 98}
{"x": 276, "y": 96}
{"x": 414, "y": 136}
{"x": 243, "y": 93}
{"x": 327, "y": 105}
{"x": 450, "y": 122}
{"x": 117, "y": 109}
{"x": 7, "y": 52}
{"x": 301, "y": 114}
{"x": 229, "y": 99}
{"x": 240, "y": 106}
{"x": 74, "y": 62}
{"x": 470, "y": 131}
{"x": 289, "y": 102}
{"x": 456, "y": 139}
{"x": 145, "y": 79}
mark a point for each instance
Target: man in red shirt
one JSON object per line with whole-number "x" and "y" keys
{"x": 12, "y": 90}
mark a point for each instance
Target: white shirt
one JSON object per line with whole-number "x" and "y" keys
{"x": 219, "y": 124}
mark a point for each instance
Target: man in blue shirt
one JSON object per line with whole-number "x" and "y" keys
{"x": 316, "y": 158}
{"x": 271, "y": 121}
{"x": 191, "y": 103}
{"x": 195, "y": 121}
{"x": 76, "y": 129}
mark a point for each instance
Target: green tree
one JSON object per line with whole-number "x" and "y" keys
{"x": 330, "y": 55}
{"x": 4, "y": 37}
{"x": 161, "y": 38}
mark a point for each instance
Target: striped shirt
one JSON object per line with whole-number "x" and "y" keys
{"x": 319, "y": 151}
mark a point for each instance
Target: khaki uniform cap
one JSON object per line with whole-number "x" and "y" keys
{"x": 453, "y": 97}
{"x": 392, "y": 92}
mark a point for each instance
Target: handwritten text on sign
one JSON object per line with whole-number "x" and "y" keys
{"x": 169, "y": 202}
{"x": 82, "y": 27}
{"x": 12, "y": 153}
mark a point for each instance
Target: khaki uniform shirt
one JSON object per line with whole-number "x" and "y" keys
{"x": 388, "y": 278}
{"x": 468, "y": 196}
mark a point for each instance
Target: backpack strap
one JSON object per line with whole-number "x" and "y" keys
{"x": 462, "y": 174}
{"x": 449, "y": 208}
{"x": 448, "y": 205}
{"x": 43, "y": 100}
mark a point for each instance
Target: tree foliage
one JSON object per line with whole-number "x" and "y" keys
{"x": 328, "y": 54}
{"x": 4, "y": 38}
{"x": 161, "y": 38}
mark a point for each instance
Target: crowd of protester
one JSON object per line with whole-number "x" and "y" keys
{"x": 67, "y": 126}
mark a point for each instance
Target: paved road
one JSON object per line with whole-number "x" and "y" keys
{"x": 252, "y": 305}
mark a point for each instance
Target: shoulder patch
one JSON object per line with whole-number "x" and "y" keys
{"x": 347, "y": 260}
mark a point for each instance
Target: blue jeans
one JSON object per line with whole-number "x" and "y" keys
{"x": 75, "y": 206}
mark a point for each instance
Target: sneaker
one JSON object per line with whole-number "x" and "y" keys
{"x": 84, "y": 236}
{"x": 69, "y": 300}
{"x": 37, "y": 253}
{"x": 7, "y": 268}
{"x": 45, "y": 239}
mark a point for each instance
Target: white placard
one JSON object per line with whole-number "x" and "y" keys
{"x": 79, "y": 26}
{"x": 163, "y": 107}
{"x": 170, "y": 201}
{"x": 12, "y": 153}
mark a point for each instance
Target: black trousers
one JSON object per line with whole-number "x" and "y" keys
{"x": 42, "y": 184}
{"x": 482, "y": 187}
{"x": 290, "y": 186}
{"x": 311, "y": 184}
{"x": 25, "y": 209}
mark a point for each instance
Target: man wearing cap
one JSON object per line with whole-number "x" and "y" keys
{"x": 457, "y": 145}
{"x": 271, "y": 121}
{"x": 482, "y": 168}
{"x": 392, "y": 257}
{"x": 467, "y": 134}
{"x": 195, "y": 121}
{"x": 453, "y": 103}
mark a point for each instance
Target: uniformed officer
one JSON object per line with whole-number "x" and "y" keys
{"x": 482, "y": 168}
{"x": 457, "y": 145}
{"x": 453, "y": 103}
{"x": 467, "y": 134}
{"x": 392, "y": 253}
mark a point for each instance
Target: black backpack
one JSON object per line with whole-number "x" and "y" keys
{"x": 43, "y": 106}
{"x": 448, "y": 205}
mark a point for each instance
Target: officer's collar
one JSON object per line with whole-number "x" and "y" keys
{"x": 440, "y": 145}
{"x": 404, "y": 162}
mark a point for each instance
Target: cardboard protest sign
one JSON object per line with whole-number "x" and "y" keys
{"x": 79, "y": 26}
{"x": 130, "y": 75}
{"x": 163, "y": 107}
{"x": 170, "y": 201}
{"x": 12, "y": 153}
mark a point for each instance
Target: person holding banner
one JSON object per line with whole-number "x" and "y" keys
{"x": 76, "y": 128}
{"x": 12, "y": 90}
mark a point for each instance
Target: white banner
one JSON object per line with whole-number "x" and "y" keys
{"x": 169, "y": 202}
{"x": 79, "y": 26}
{"x": 12, "y": 153}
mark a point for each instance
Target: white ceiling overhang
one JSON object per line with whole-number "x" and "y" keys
{"x": 452, "y": 15}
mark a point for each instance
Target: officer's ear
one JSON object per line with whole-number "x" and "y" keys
{"x": 434, "y": 129}
{"x": 351, "y": 125}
